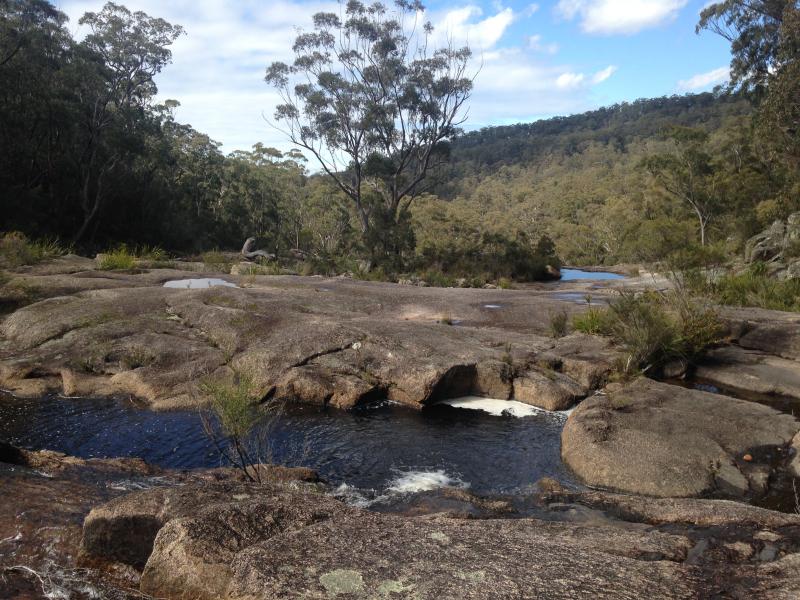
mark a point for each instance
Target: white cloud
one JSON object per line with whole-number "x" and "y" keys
{"x": 459, "y": 25}
{"x": 569, "y": 80}
{"x": 601, "y": 76}
{"x": 536, "y": 43}
{"x": 703, "y": 81}
{"x": 514, "y": 86}
{"x": 218, "y": 67}
{"x": 619, "y": 16}
{"x": 531, "y": 10}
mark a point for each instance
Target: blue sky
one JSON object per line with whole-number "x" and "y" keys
{"x": 538, "y": 60}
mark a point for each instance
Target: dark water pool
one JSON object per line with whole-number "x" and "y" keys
{"x": 381, "y": 450}
{"x": 576, "y": 274}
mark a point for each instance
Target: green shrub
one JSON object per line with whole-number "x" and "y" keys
{"x": 654, "y": 328}
{"x": 17, "y": 250}
{"x": 559, "y": 324}
{"x": 437, "y": 278}
{"x": 118, "y": 259}
{"x": 753, "y": 287}
{"x": 593, "y": 322}
{"x": 237, "y": 424}
{"x": 157, "y": 258}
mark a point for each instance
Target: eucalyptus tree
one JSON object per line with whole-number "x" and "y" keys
{"x": 114, "y": 78}
{"x": 34, "y": 47}
{"x": 753, "y": 28}
{"x": 372, "y": 99}
{"x": 688, "y": 173}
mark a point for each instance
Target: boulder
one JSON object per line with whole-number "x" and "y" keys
{"x": 661, "y": 440}
{"x": 547, "y": 389}
{"x": 316, "y": 385}
{"x": 771, "y": 245}
{"x": 767, "y": 245}
{"x": 192, "y": 556}
{"x": 277, "y": 542}
{"x": 124, "y": 529}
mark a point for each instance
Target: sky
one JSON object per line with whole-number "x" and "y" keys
{"x": 534, "y": 60}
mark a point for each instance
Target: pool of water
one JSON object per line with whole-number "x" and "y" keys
{"x": 198, "y": 284}
{"x": 578, "y": 274}
{"x": 378, "y": 451}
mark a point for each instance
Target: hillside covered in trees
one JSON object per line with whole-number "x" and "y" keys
{"x": 580, "y": 180}
{"x": 89, "y": 157}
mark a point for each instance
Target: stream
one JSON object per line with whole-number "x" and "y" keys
{"x": 370, "y": 454}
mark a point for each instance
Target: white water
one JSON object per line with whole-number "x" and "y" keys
{"x": 423, "y": 481}
{"x": 500, "y": 408}
{"x": 406, "y": 482}
{"x": 198, "y": 284}
{"x": 492, "y": 306}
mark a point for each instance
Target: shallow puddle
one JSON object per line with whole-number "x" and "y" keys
{"x": 198, "y": 284}
{"x": 578, "y": 274}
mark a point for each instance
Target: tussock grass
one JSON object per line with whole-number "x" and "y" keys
{"x": 119, "y": 259}
{"x": 17, "y": 250}
{"x": 559, "y": 324}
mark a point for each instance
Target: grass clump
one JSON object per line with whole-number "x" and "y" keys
{"x": 593, "y": 321}
{"x": 559, "y": 324}
{"x": 654, "y": 328}
{"x": 215, "y": 260}
{"x": 119, "y": 259}
{"x": 156, "y": 257}
{"x": 262, "y": 267}
{"x": 17, "y": 250}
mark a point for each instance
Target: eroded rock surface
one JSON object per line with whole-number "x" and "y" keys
{"x": 278, "y": 541}
{"x": 323, "y": 341}
{"x": 657, "y": 439}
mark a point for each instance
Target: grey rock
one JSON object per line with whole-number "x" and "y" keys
{"x": 661, "y": 440}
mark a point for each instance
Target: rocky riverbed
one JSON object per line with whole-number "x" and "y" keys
{"x": 678, "y": 464}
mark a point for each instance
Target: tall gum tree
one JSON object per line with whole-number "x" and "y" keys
{"x": 371, "y": 99}
{"x": 119, "y": 59}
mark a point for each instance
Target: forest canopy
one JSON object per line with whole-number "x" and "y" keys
{"x": 88, "y": 155}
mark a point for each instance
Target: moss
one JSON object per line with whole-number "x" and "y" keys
{"x": 342, "y": 581}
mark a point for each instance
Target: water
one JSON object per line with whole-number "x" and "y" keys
{"x": 198, "y": 284}
{"x": 384, "y": 450}
{"x": 577, "y": 274}
{"x": 581, "y": 298}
